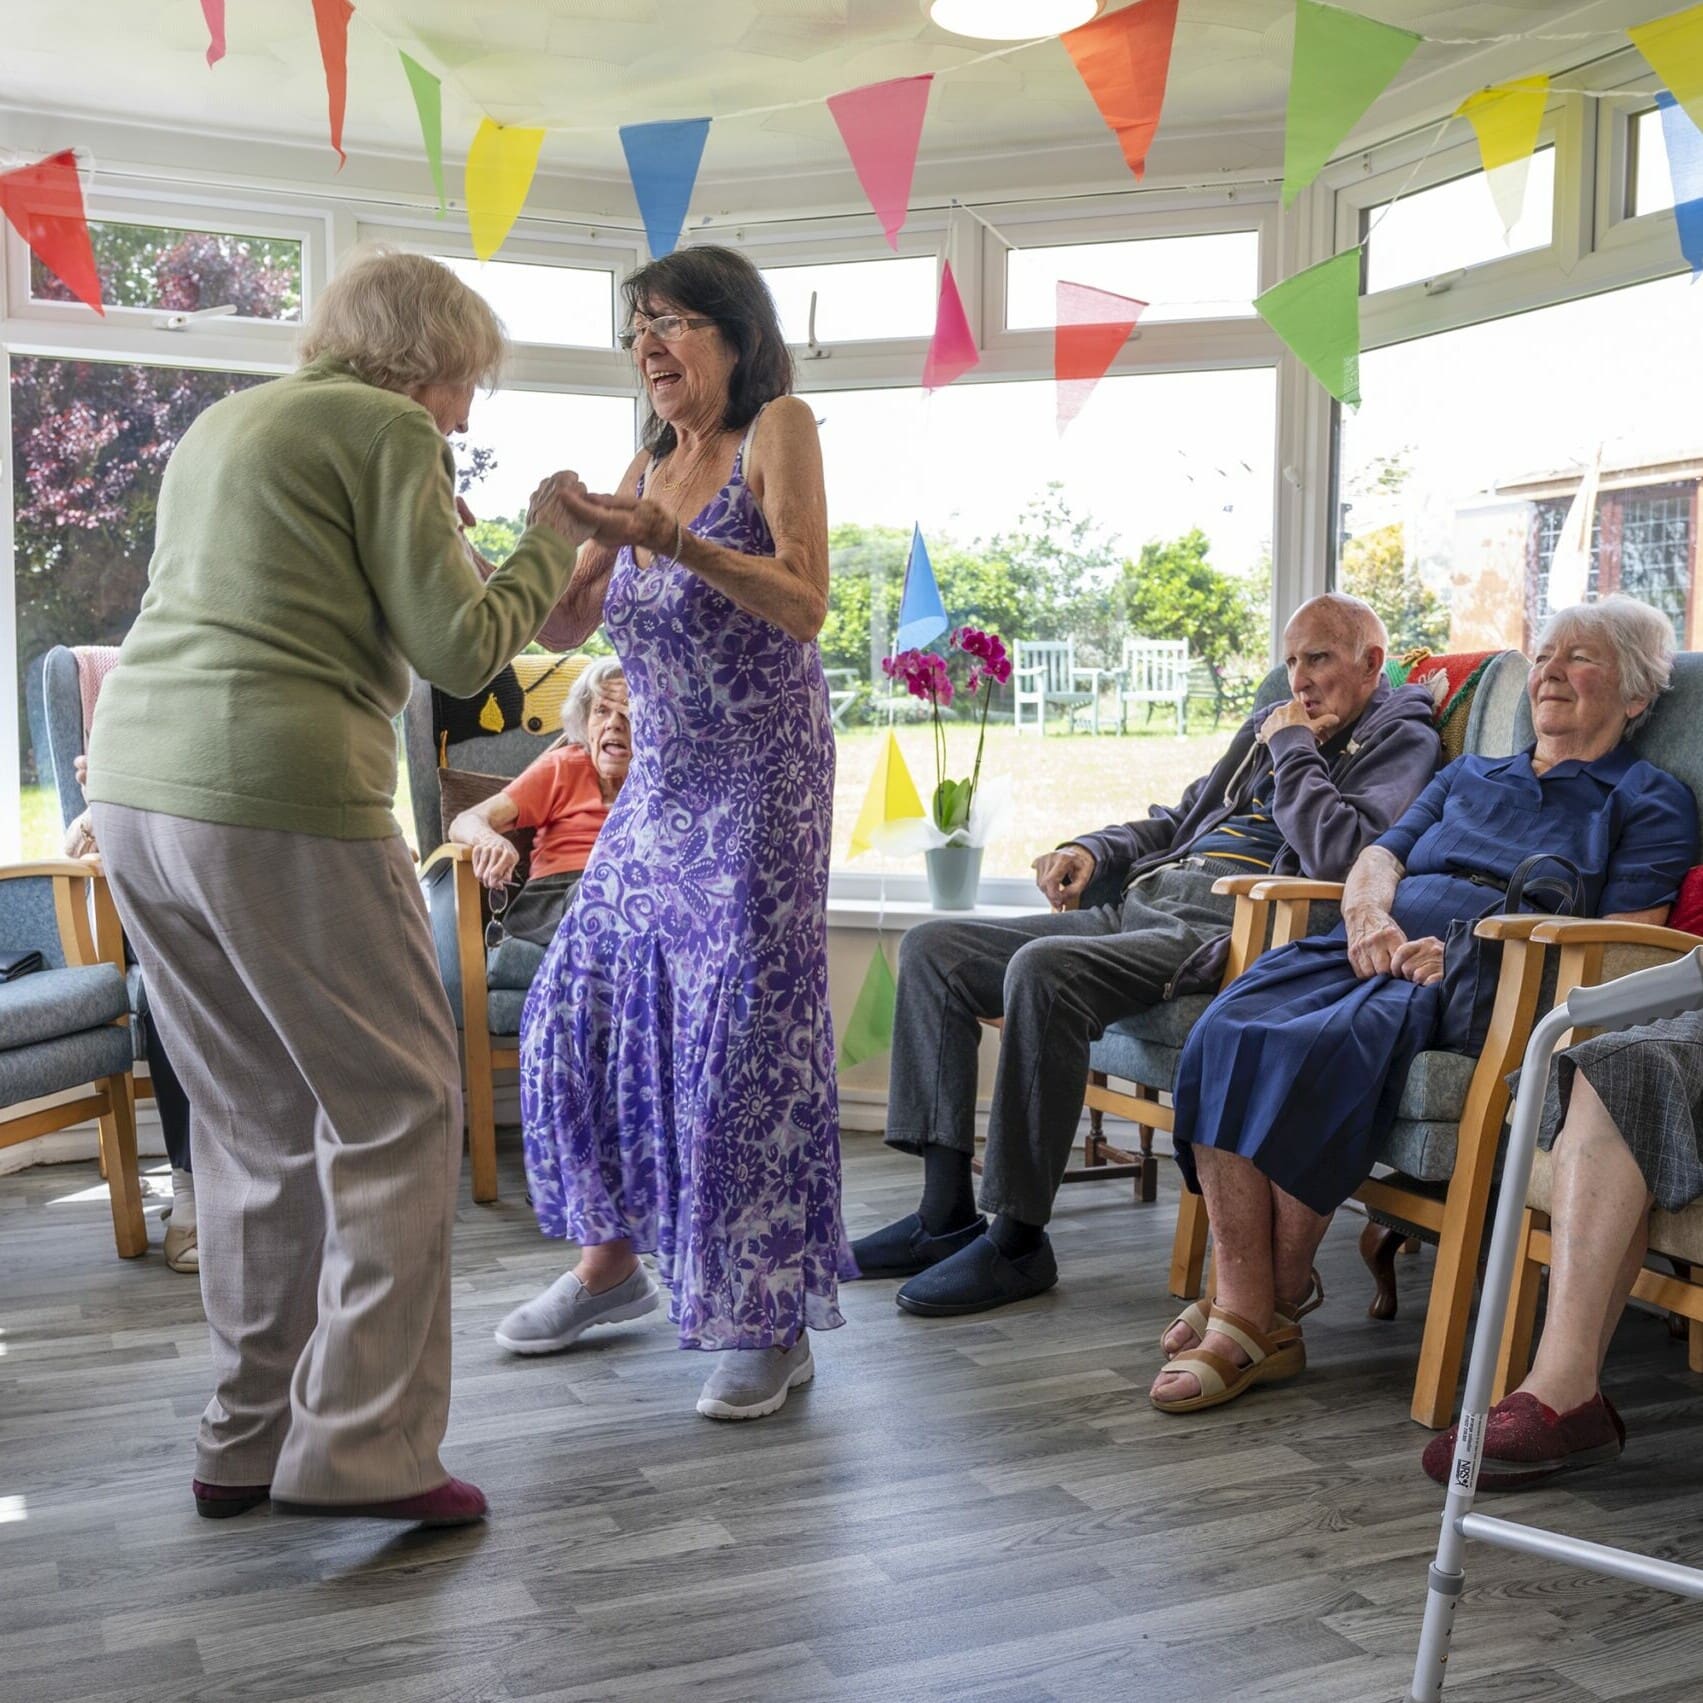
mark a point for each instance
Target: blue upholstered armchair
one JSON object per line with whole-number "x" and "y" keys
{"x": 66, "y": 1027}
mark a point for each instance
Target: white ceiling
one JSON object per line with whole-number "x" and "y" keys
{"x": 591, "y": 65}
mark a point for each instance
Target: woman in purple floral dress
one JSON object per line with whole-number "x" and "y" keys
{"x": 677, "y": 1055}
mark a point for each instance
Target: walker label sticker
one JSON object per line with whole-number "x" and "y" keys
{"x": 1467, "y": 1449}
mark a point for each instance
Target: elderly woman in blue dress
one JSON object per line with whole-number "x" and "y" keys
{"x": 1288, "y": 1085}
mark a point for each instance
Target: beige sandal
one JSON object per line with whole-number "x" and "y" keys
{"x": 1196, "y": 1313}
{"x": 1271, "y": 1358}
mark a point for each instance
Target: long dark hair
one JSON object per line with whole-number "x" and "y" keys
{"x": 724, "y": 286}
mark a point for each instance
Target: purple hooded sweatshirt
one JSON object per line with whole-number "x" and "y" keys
{"x": 1329, "y": 810}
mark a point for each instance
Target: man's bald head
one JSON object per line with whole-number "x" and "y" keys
{"x": 1334, "y": 649}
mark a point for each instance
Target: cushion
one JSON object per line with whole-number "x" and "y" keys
{"x": 527, "y": 695}
{"x": 54, "y": 1003}
{"x": 503, "y": 1011}
{"x": 1452, "y": 682}
{"x": 50, "y": 1067}
{"x": 1422, "y": 1149}
{"x": 1687, "y": 913}
{"x": 28, "y": 919}
{"x": 1436, "y": 1087}
{"x": 462, "y": 789}
{"x": 513, "y": 963}
{"x": 1146, "y": 1047}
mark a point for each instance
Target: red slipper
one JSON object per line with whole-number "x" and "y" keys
{"x": 1525, "y": 1442}
{"x": 453, "y": 1503}
{"x": 226, "y": 1501}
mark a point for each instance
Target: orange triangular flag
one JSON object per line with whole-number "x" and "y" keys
{"x": 44, "y": 202}
{"x": 1092, "y": 326}
{"x": 331, "y": 19}
{"x": 1124, "y": 59}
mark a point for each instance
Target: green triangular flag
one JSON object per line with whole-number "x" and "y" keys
{"x": 1317, "y": 313}
{"x": 428, "y": 101}
{"x": 870, "y": 1031}
{"x": 1342, "y": 64}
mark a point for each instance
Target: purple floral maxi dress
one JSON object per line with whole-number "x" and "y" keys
{"x": 677, "y": 1055}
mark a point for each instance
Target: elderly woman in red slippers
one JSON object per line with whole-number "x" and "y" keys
{"x": 1624, "y": 1120}
{"x": 1288, "y": 1085}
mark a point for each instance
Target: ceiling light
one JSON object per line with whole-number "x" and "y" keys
{"x": 1012, "y": 20}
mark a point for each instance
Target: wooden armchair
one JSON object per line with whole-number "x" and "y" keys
{"x": 498, "y": 733}
{"x": 67, "y": 1027}
{"x": 1587, "y": 954}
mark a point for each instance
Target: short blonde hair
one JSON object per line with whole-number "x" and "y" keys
{"x": 401, "y": 320}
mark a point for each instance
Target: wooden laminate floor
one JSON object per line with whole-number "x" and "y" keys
{"x": 983, "y": 1509}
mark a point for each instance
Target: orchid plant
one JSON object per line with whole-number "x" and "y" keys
{"x": 925, "y": 675}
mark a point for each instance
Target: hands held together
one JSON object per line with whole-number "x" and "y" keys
{"x": 1377, "y": 947}
{"x": 563, "y": 503}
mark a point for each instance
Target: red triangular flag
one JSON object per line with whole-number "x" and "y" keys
{"x": 331, "y": 19}
{"x": 952, "y": 350}
{"x": 881, "y": 125}
{"x": 1092, "y": 326}
{"x": 44, "y": 203}
{"x": 1124, "y": 59}
{"x": 214, "y": 12}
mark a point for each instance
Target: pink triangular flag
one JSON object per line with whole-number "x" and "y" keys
{"x": 1092, "y": 326}
{"x": 214, "y": 12}
{"x": 952, "y": 351}
{"x": 881, "y": 125}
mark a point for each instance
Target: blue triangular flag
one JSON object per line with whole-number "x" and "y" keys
{"x": 662, "y": 160}
{"x": 922, "y": 616}
{"x": 1685, "y": 166}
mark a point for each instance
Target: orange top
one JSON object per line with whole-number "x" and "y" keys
{"x": 561, "y": 797}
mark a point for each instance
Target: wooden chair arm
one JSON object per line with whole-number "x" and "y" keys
{"x": 1513, "y": 927}
{"x": 1296, "y": 887}
{"x": 1592, "y": 931}
{"x": 70, "y": 868}
{"x": 448, "y": 852}
{"x": 1239, "y": 886}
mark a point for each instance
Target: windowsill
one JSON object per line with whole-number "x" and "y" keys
{"x": 897, "y": 915}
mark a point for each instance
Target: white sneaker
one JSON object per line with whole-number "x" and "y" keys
{"x": 567, "y": 1310}
{"x": 751, "y": 1382}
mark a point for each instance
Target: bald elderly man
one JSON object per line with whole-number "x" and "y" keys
{"x": 1304, "y": 787}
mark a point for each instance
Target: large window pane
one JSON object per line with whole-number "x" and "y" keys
{"x": 90, "y": 441}
{"x": 1453, "y": 499}
{"x": 1456, "y": 224}
{"x": 187, "y": 271}
{"x": 544, "y": 304}
{"x": 856, "y": 300}
{"x": 1157, "y": 503}
{"x": 1197, "y": 277}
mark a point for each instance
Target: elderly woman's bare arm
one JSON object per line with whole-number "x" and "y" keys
{"x": 789, "y": 588}
{"x": 1374, "y": 936}
{"x": 480, "y": 829}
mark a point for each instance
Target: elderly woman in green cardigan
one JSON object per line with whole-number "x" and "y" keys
{"x": 308, "y": 554}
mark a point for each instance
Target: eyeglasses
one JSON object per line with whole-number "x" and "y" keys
{"x": 670, "y": 327}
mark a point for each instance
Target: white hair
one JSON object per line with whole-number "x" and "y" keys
{"x": 576, "y": 707}
{"x": 1639, "y": 638}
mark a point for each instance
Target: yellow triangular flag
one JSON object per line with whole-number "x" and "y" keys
{"x": 1507, "y": 119}
{"x": 500, "y": 165}
{"x": 892, "y": 797}
{"x": 1674, "y": 48}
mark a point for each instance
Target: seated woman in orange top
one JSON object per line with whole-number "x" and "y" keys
{"x": 565, "y": 796}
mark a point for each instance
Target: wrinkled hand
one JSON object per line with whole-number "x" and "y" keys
{"x": 1294, "y": 714}
{"x": 1374, "y": 937}
{"x": 494, "y": 861}
{"x": 552, "y": 505}
{"x": 617, "y": 521}
{"x": 80, "y": 768}
{"x": 1061, "y": 876}
{"x": 1419, "y": 961}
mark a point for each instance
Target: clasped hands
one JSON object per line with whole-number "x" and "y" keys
{"x": 1378, "y": 947}
{"x": 615, "y": 521}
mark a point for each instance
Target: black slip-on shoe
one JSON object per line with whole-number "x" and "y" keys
{"x": 978, "y": 1279}
{"x": 905, "y": 1248}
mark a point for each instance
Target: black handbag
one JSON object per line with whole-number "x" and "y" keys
{"x": 1472, "y": 967}
{"x": 15, "y": 964}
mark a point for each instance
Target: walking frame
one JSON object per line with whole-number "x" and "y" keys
{"x": 1664, "y": 991}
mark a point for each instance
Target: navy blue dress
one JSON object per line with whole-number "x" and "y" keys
{"x": 1299, "y": 1065}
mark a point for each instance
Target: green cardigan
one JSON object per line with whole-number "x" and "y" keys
{"x": 307, "y": 554}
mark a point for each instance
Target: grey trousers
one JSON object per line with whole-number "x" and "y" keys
{"x": 293, "y": 980}
{"x": 1057, "y": 979}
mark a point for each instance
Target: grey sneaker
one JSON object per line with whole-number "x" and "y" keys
{"x": 567, "y": 1310}
{"x": 749, "y": 1382}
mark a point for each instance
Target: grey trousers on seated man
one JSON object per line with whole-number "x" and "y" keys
{"x": 1058, "y": 979}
